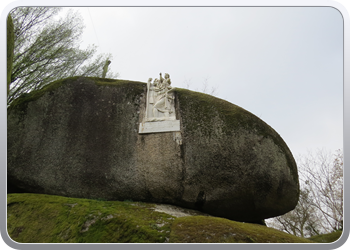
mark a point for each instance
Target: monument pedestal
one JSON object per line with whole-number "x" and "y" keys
{"x": 160, "y": 126}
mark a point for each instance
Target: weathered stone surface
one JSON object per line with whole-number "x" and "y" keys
{"x": 79, "y": 137}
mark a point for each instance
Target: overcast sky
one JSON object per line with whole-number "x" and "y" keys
{"x": 283, "y": 64}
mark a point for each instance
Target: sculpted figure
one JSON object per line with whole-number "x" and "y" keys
{"x": 167, "y": 81}
{"x": 160, "y": 115}
{"x": 160, "y": 99}
{"x": 164, "y": 97}
{"x": 150, "y": 88}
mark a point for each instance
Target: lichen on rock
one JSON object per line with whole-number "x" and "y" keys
{"x": 79, "y": 138}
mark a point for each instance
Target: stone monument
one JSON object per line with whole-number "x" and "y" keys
{"x": 160, "y": 108}
{"x": 79, "y": 138}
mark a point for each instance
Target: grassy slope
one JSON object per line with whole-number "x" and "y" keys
{"x": 50, "y": 219}
{"x": 326, "y": 238}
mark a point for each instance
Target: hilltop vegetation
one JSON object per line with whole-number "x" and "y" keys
{"x": 55, "y": 219}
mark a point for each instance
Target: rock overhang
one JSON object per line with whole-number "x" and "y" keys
{"x": 228, "y": 158}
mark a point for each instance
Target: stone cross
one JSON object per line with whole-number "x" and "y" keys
{"x": 105, "y": 68}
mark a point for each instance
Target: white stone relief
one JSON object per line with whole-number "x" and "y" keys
{"x": 160, "y": 107}
{"x": 160, "y": 99}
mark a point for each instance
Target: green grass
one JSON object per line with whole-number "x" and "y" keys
{"x": 203, "y": 229}
{"x": 38, "y": 218}
{"x": 326, "y": 238}
{"x": 49, "y": 219}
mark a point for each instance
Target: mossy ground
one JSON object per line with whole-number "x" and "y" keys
{"x": 49, "y": 219}
{"x": 327, "y": 238}
{"x": 38, "y": 218}
{"x": 213, "y": 229}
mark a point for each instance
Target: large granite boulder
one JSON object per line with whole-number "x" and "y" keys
{"x": 79, "y": 137}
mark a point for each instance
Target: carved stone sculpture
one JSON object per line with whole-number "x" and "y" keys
{"x": 160, "y": 107}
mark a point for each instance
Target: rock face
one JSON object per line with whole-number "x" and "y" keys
{"x": 79, "y": 138}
